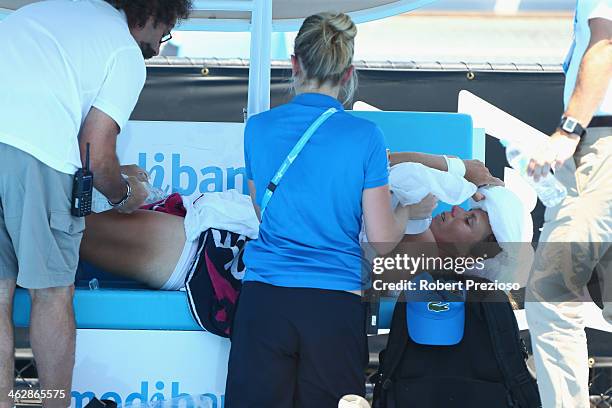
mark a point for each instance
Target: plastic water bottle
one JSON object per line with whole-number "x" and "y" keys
{"x": 155, "y": 194}
{"x": 550, "y": 191}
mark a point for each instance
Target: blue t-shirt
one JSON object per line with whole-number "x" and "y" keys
{"x": 309, "y": 236}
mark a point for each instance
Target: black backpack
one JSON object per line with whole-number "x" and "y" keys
{"x": 486, "y": 369}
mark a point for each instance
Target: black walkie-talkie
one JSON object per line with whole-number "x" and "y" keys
{"x": 82, "y": 189}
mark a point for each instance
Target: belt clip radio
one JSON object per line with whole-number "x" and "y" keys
{"x": 82, "y": 189}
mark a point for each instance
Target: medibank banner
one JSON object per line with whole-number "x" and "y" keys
{"x": 189, "y": 158}
{"x": 144, "y": 368}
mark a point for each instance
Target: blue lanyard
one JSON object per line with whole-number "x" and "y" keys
{"x": 291, "y": 157}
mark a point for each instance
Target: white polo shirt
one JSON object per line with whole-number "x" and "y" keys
{"x": 60, "y": 58}
{"x": 585, "y": 11}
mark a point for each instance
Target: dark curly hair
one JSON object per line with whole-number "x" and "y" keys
{"x": 163, "y": 11}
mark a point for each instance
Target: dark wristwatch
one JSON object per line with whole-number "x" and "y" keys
{"x": 571, "y": 126}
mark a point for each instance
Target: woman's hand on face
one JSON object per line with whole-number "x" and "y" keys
{"x": 423, "y": 209}
{"x": 477, "y": 173}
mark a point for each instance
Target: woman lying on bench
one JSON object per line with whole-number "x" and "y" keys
{"x": 151, "y": 246}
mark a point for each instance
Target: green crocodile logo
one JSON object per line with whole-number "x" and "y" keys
{"x": 438, "y": 307}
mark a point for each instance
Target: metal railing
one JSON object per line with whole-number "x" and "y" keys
{"x": 364, "y": 65}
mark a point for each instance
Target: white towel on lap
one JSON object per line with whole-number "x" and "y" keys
{"x": 227, "y": 210}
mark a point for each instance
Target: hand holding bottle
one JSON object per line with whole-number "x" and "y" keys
{"x": 552, "y": 155}
{"x": 550, "y": 191}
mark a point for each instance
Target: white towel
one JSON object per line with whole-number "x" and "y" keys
{"x": 509, "y": 220}
{"x": 227, "y": 210}
{"x": 512, "y": 226}
{"x": 411, "y": 182}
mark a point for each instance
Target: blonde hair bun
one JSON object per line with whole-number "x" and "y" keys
{"x": 340, "y": 23}
{"x": 324, "y": 47}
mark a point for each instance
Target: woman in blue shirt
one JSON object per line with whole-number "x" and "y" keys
{"x": 299, "y": 332}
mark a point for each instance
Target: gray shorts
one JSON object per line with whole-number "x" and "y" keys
{"x": 39, "y": 238}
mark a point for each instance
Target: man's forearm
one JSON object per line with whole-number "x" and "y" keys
{"x": 108, "y": 179}
{"x": 99, "y": 133}
{"x": 429, "y": 160}
{"x": 592, "y": 82}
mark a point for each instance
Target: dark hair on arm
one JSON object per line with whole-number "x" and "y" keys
{"x": 162, "y": 11}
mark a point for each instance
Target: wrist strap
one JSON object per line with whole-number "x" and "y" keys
{"x": 455, "y": 166}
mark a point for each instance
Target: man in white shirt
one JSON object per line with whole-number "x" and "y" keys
{"x": 71, "y": 74}
{"x": 577, "y": 234}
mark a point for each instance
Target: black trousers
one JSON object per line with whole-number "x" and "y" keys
{"x": 296, "y": 347}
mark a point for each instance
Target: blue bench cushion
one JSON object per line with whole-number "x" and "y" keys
{"x": 138, "y": 309}
{"x": 120, "y": 309}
